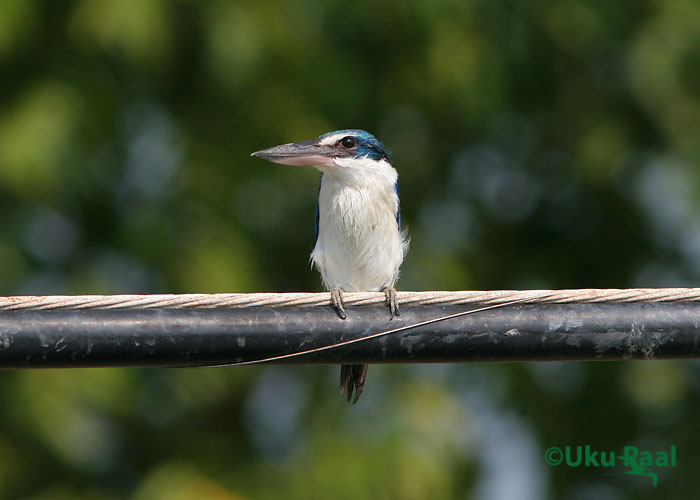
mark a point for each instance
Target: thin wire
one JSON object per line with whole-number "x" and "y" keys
{"x": 371, "y": 336}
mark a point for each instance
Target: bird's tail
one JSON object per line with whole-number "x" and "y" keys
{"x": 352, "y": 379}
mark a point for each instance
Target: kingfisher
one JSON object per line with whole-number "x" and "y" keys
{"x": 360, "y": 244}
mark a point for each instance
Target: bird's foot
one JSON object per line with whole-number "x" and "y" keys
{"x": 392, "y": 301}
{"x": 337, "y": 302}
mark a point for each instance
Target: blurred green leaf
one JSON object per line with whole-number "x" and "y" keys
{"x": 538, "y": 145}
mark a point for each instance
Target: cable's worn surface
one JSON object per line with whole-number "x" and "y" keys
{"x": 205, "y": 330}
{"x": 201, "y": 300}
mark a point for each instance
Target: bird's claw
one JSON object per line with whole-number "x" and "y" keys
{"x": 392, "y": 300}
{"x": 337, "y": 302}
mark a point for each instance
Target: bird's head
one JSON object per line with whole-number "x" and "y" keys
{"x": 337, "y": 148}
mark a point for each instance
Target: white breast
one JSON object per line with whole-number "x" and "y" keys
{"x": 359, "y": 246}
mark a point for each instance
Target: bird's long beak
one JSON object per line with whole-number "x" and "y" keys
{"x": 298, "y": 153}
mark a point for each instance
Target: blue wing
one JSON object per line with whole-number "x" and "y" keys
{"x": 317, "y": 209}
{"x": 398, "y": 207}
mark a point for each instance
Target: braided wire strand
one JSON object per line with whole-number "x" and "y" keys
{"x": 471, "y": 297}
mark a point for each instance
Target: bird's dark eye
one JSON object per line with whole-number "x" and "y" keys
{"x": 348, "y": 142}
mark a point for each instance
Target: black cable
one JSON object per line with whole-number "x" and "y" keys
{"x": 205, "y": 337}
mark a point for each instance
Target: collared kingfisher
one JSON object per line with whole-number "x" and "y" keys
{"x": 359, "y": 241}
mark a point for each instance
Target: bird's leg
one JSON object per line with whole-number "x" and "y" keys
{"x": 392, "y": 300}
{"x": 337, "y": 301}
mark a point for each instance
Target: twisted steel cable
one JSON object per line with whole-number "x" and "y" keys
{"x": 433, "y": 298}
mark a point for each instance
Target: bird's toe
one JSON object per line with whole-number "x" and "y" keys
{"x": 392, "y": 300}
{"x": 337, "y": 302}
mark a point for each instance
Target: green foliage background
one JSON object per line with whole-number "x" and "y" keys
{"x": 539, "y": 144}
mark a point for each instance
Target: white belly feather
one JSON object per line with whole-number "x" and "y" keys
{"x": 359, "y": 246}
